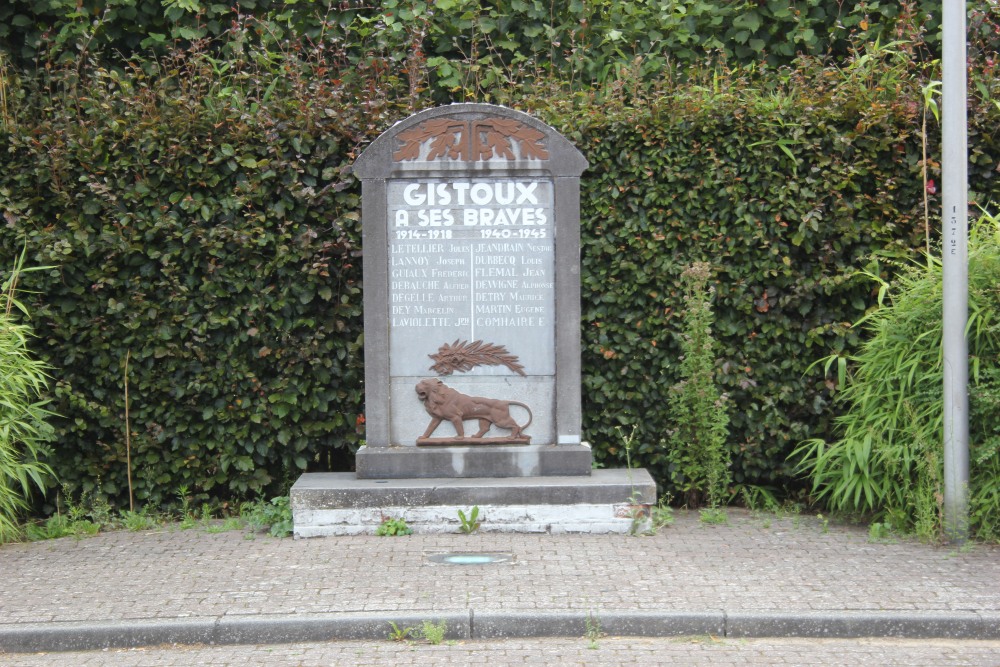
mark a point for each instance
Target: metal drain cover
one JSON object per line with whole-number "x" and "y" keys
{"x": 463, "y": 558}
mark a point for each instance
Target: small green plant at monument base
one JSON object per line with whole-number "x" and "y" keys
{"x": 697, "y": 408}
{"x": 662, "y": 515}
{"x": 393, "y": 528}
{"x": 274, "y": 516}
{"x": 640, "y": 522}
{"x": 470, "y": 523}
{"x": 433, "y": 633}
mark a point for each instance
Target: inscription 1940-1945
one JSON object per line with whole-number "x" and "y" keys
{"x": 471, "y": 259}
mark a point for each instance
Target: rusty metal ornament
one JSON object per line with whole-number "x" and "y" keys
{"x": 472, "y": 140}
{"x": 446, "y": 404}
{"x": 463, "y": 356}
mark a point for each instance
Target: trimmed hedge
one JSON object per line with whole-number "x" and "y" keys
{"x": 210, "y": 236}
{"x": 787, "y": 196}
{"x": 203, "y": 226}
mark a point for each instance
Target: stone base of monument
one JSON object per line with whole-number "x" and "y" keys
{"x": 607, "y": 501}
{"x": 493, "y": 460}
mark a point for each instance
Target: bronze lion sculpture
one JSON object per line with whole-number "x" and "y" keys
{"x": 445, "y": 404}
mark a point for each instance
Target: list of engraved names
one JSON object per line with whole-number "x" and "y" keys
{"x": 471, "y": 260}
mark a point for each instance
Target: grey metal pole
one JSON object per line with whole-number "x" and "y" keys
{"x": 955, "y": 260}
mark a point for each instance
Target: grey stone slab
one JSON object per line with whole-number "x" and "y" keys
{"x": 485, "y": 461}
{"x": 316, "y": 491}
{"x": 489, "y": 625}
{"x": 950, "y": 625}
{"x": 662, "y": 624}
{"x": 101, "y": 634}
{"x": 332, "y": 627}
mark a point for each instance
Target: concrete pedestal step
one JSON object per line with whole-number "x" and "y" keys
{"x": 606, "y": 501}
{"x": 481, "y": 461}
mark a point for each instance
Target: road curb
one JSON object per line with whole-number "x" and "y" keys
{"x": 470, "y": 624}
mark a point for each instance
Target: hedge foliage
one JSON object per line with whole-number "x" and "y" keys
{"x": 469, "y": 47}
{"x": 201, "y": 226}
{"x": 204, "y": 227}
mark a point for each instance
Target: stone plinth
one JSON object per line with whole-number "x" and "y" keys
{"x": 479, "y": 461}
{"x": 341, "y": 504}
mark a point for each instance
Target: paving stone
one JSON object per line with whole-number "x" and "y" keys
{"x": 753, "y": 565}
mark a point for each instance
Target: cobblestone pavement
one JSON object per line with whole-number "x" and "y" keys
{"x": 756, "y": 564}
{"x": 790, "y": 564}
{"x": 551, "y": 651}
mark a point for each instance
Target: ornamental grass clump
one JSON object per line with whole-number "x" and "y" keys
{"x": 699, "y": 460}
{"x": 23, "y": 427}
{"x": 888, "y": 461}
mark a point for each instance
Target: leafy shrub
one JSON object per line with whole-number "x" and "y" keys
{"x": 470, "y": 46}
{"x": 24, "y": 429}
{"x": 888, "y": 459}
{"x": 784, "y": 192}
{"x": 699, "y": 459}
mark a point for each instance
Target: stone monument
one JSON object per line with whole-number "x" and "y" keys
{"x": 471, "y": 242}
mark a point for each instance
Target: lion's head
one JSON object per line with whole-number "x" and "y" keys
{"x": 425, "y": 388}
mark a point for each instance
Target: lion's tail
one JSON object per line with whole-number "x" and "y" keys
{"x": 530, "y": 414}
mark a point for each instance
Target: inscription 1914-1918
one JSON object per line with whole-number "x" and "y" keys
{"x": 471, "y": 259}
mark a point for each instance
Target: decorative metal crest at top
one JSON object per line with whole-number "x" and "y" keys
{"x": 472, "y": 140}
{"x": 464, "y": 356}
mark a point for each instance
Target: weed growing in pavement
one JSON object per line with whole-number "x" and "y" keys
{"x": 433, "y": 633}
{"x": 232, "y": 523}
{"x": 60, "y": 525}
{"x": 714, "y": 516}
{"x": 188, "y": 519}
{"x": 662, "y": 515}
{"x": 628, "y": 441}
{"x": 469, "y": 523}
{"x": 93, "y": 514}
{"x": 593, "y": 626}
{"x": 393, "y": 528}
{"x": 136, "y": 521}
{"x": 398, "y": 634}
{"x": 879, "y": 532}
{"x": 759, "y": 500}
{"x": 274, "y": 516}
{"x": 641, "y": 522}
{"x": 79, "y": 520}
